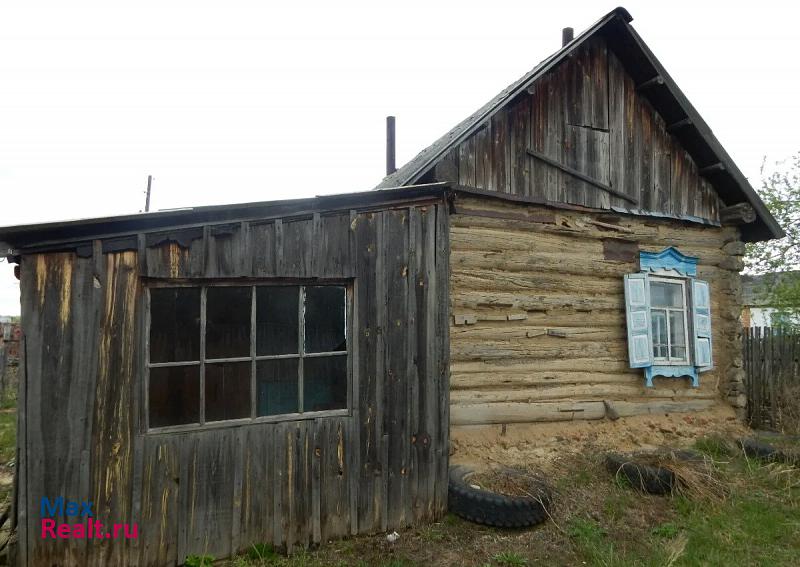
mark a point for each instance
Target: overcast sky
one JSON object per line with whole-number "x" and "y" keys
{"x": 245, "y": 101}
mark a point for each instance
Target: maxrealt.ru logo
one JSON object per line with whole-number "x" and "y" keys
{"x": 56, "y": 512}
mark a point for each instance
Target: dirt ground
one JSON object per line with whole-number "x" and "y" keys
{"x": 540, "y": 445}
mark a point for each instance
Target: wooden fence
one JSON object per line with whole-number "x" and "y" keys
{"x": 773, "y": 378}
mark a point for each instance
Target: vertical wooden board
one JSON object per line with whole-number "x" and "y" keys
{"x": 644, "y": 145}
{"x": 395, "y": 422}
{"x": 554, "y": 137}
{"x": 519, "y": 136}
{"x": 538, "y": 135}
{"x": 483, "y": 154}
{"x": 46, "y": 324}
{"x": 447, "y": 167}
{"x": 442, "y": 368}
{"x": 500, "y": 162}
{"x": 412, "y": 370}
{"x": 331, "y": 249}
{"x": 87, "y": 299}
{"x": 256, "y": 505}
{"x": 598, "y": 78}
{"x": 226, "y": 251}
{"x": 263, "y": 249}
{"x": 617, "y": 127}
{"x": 334, "y": 475}
{"x": 158, "y": 531}
{"x": 694, "y": 201}
{"x": 113, "y": 427}
{"x": 286, "y": 445}
{"x": 303, "y": 483}
{"x": 585, "y": 79}
{"x": 662, "y": 167}
{"x": 371, "y": 294}
{"x": 576, "y": 142}
{"x": 711, "y": 201}
{"x": 680, "y": 180}
{"x": 211, "y": 494}
{"x": 180, "y": 257}
{"x": 632, "y": 141}
{"x": 426, "y": 404}
{"x": 297, "y": 248}
{"x": 20, "y": 516}
{"x": 466, "y": 162}
{"x": 278, "y": 487}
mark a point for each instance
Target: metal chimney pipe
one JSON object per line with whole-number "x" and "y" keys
{"x": 567, "y": 35}
{"x": 390, "y": 146}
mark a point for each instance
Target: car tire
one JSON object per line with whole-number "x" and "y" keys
{"x": 493, "y": 509}
{"x": 647, "y": 478}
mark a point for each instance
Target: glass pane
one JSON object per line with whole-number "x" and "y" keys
{"x": 174, "y": 324}
{"x": 325, "y": 319}
{"x": 324, "y": 383}
{"x": 174, "y": 395}
{"x": 659, "y": 329}
{"x": 277, "y": 320}
{"x": 677, "y": 330}
{"x": 678, "y": 353}
{"x": 227, "y": 391}
{"x": 664, "y": 294}
{"x": 227, "y": 322}
{"x": 277, "y": 387}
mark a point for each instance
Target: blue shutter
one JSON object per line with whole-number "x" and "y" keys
{"x": 701, "y": 318}
{"x": 637, "y": 310}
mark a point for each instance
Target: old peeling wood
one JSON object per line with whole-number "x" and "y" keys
{"x": 577, "y": 174}
{"x": 572, "y": 345}
{"x": 483, "y": 414}
{"x": 741, "y": 213}
{"x": 222, "y": 489}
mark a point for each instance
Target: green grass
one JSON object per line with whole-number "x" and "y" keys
{"x": 8, "y": 436}
{"x": 509, "y": 559}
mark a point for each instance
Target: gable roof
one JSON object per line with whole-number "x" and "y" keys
{"x": 667, "y": 99}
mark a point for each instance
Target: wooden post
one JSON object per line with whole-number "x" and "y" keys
{"x": 147, "y": 199}
{"x": 390, "y": 145}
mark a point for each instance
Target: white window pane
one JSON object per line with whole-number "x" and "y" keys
{"x": 665, "y": 294}
{"x": 677, "y": 329}
{"x": 659, "y": 329}
{"x": 678, "y": 353}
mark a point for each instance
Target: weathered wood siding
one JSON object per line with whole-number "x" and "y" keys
{"x": 586, "y": 115}
{"x": 217, "y": 491}
{"x": 538, "y": 326}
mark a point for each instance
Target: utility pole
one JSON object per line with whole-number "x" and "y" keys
{"x": 147, "y": 200}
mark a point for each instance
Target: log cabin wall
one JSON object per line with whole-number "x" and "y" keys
{"x": 587, "y": 116}
{"x": 219, "y": 490}
{"x": 538, "y": 330}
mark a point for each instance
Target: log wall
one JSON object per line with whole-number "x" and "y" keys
{"x": 538, "y": 314}
{"x": 219, "y": 490}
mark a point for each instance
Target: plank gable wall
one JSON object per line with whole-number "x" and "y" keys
{"x": 587, "y": 115}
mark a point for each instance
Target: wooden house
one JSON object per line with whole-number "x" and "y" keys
{"x": 289, "y": 372}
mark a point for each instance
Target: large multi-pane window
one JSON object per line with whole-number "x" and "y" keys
{"x": 245, "y": 352}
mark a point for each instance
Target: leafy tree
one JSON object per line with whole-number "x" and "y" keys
{"x": 780, "y": 191}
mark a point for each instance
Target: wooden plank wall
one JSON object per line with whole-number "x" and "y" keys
{"x": 587, "y": 115}
{"x": 772, "y": 364}
{"x": 538, "y": 327}
{"x": 218, "y": 491}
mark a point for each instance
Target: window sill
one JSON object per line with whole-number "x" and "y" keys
{"x": 192, "y": 427}
{"x": 670, "y": 371}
